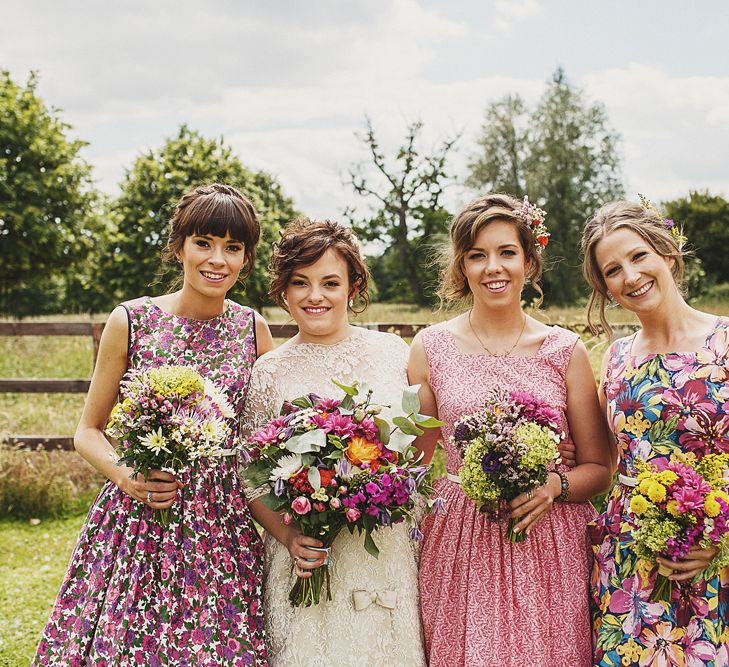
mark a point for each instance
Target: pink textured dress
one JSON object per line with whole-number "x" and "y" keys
{"x": 486, "y": 602}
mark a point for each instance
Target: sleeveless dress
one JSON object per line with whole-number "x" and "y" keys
{"x": 386, "y": 633}
{"x": 188, "y": 594}
{"x": 642, "y": 391}
{"x": 484, "y": 600}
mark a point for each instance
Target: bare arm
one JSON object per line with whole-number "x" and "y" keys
{"x": 89, "y": 439}
{"x": 264, "y": 340}
{"x": 589, "y": 433}
{"x": 418, "y": 373}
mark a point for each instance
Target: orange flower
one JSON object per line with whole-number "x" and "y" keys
{"x": 362, "y": 452}
{"x": 326, "y": 476}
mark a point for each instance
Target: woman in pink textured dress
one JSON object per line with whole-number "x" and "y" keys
{"x": 137, "y": 593}
{"x": 484, "y": 600}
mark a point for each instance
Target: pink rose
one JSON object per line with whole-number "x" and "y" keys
{"x": 301, "y": 505}
{"x": 319, "y": 507}
{"x": 287, "y": 519}
{"x": 335, "y": 503}
{"x": 353, "y": 514}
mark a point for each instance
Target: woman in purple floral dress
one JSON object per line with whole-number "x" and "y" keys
{"x": 664, "y": 389}
{"x": 137, "y": 593}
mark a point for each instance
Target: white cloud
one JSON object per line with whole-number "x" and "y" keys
{"x": 673, "y": 128}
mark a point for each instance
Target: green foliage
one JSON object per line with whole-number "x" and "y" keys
{"x": 705, "y": 221}
{"x": 48, "y": 206}
{"x": 407, "y": 216}
{"x": 564, "y": 155}
{"x": 150, "y": 190}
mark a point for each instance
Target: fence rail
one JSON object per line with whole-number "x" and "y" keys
{"x": 94, "y": 329}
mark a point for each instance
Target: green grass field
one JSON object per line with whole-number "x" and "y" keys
{"x": 33, "y": 558}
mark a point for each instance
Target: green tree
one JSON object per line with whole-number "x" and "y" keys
{"x": 565, "y": 156}
{"x": 705, "y": 221}
{"x": 48, "y": 216}
{"x": 150, "y": 190}
{"x": 407, "y": 216}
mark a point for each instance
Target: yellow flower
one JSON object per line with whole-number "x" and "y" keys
{"x": 362, "y": 451}
{"x": 637, "y": 425}
{"x": 639, "y": 505}
{"x": 667, "y": 477}
{"x": 657, "y": 492}
{"x": 672, "y": 508}
{"x": 711, "y": 506}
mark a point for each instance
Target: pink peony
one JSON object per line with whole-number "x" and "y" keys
{"x": 301, "y": 505}
{"x": 353, "y": 514}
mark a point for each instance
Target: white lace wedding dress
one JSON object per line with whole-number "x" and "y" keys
{"x": 386, "y": 632}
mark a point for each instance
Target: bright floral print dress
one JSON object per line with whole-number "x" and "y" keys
{"x": 188, "y": 594}
{"x": 643, "y": 393}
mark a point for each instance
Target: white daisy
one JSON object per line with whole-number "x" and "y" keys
{"x": 287, "y": 467}
{"x": 155, "y": 441}
{"x": 220, "y": 399}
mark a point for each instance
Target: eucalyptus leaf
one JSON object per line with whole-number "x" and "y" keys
{"x": 426, "y": 421}
{"x": 302, "y": 402}
{"x": 410, "y": 400}
{"x": 350, "y": 390}
{"x": 311, "y": 441}
{"x": 314, "y": 478}
{"x": 383, "y": 429}
{"x": 399, "y": 441}
{"x": 272, "y": 502}
{"x": 407, "y": 426}
{"x": 370, "y": 546}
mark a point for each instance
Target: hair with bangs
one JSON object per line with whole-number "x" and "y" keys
{"x": 216, "y": 210}
{"x": 644, "y": 222}
{"x": 465, "y": 228}
{"x": 302, "y": 243}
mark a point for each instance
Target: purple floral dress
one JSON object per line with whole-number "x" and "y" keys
{"x": 644, "y": 396}
{"x": 188, "y": 594}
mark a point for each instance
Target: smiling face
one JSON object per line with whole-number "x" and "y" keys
{"x": 211, "y": 264}
{"x": 636, "y": 276}
{"x": 495, "y": 267}
{"x": 317, "y": 297}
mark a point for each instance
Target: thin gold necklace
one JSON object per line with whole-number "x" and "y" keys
{"x": 478, "y": 338}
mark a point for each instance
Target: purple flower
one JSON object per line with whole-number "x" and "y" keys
{"x": 279, "y": 488}
{"x": 439, "y": 506}
{"x": 415, "y": 534}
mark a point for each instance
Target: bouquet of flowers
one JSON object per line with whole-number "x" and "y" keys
{"x": 330, "y": 463}
{"x": 678, "y": 505}
{"x": 507, "y": 449}
{"x": 168, "y": 417}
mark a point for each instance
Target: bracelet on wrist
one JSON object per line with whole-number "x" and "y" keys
{"x": 565, "y": 487}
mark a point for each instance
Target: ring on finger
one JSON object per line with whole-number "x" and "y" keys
{"x": 149, "y": 496}
{"x": 530, "y": 494}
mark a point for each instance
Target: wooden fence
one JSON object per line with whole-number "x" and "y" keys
{"x": 81, "y": 385}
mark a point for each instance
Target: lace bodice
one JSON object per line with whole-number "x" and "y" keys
{"x": 379, "y": 359}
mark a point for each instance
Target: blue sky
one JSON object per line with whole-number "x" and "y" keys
{"x": 287, "y": 83}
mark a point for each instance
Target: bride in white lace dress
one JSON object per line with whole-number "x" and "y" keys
{"x": 373, "y": 618}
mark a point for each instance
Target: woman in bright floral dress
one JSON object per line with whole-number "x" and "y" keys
{"x": 484, "y": 600}
{"x": 673, "y": 370}
{"x": 137, "y": 593}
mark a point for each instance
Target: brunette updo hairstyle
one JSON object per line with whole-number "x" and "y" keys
{"x": 215, "y": 210}
{"x": 465, "y": 228}
{"x": 302, "y": 243}
{"x": 623, "y": 215}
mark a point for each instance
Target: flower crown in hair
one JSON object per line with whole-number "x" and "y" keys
{"x": 534, "y": 216}
{"x": 670, "y": 225}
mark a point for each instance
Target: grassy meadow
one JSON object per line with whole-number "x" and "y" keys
{"x": 43, "y": 495}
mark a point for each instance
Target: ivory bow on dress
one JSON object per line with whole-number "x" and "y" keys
{"x": 363, "y": 599}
